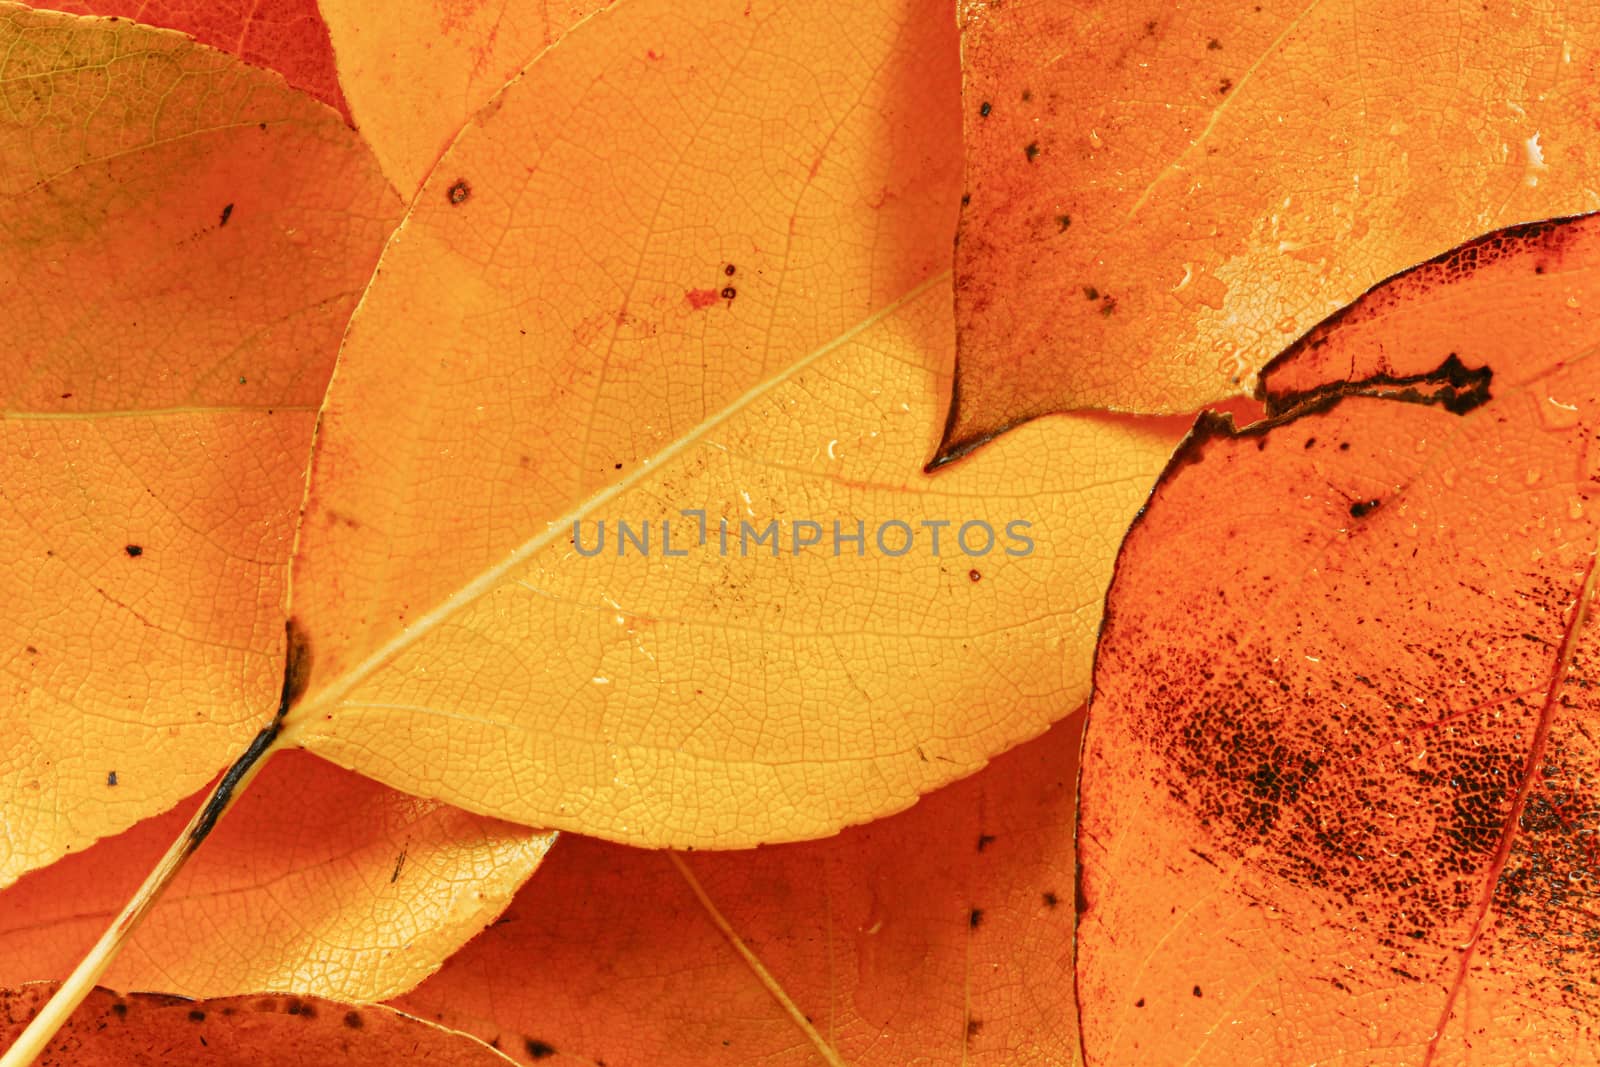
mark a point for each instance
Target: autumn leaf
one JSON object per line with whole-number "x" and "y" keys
{"x": 1160, "y": 200}
{"x": 148, "y": 1030}
{"x": 1338, "y": 793}
{"x": 538, "y": 350}
{"x": 941, "y": 935}
{"x": 182, "y": 240}
{"x": 319, "y": 883}
{"x": 287, "y": 36}
{"x": 415, "y": 72}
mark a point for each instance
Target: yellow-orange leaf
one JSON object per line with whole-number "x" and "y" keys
{"x": 181, "y": 241}
{"x": 318, "y": 882}
{"x": 704, "y": 322}
{"x": 942, "y": 935}
{"x": 416, "y": 70}
{"x": 147, "y": 1030}
{"x": 1161, "y": 199}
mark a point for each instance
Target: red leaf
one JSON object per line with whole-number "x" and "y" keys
{"x": 1338, "y": 796}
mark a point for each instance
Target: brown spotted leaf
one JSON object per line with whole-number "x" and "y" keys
{"x": 1162, "y": 197}
{"x": 1339, "y": 797}
{"x": 151, "y": 1030}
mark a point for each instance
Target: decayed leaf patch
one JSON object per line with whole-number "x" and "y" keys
{"x": 1338, "y": 790}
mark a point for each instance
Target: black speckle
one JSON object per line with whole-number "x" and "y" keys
{"x": 1027, "y": 94}
{"x": 459, "y": 191}
{"x": 730, "y": 270}
{"x": 619, "y": 466}
{"x": 1538, "y": 268}
{"x": 1310, "y": 441}
{"x": 1091, "y": 293}
{"x": 352, "y": 1019}
{"x": 197, "y": 1016}
{"x": 1213, "y": 45}
{"x": 301, "y": 1008}
{"x": 975, "y": 918}
{"x": 262, "y": 126}
{"x": 984, "y": 840}
{"x": 539, "y": 1049}
{"x": 977, "y": 576}
{"x": 227, "y": 210}
{"x": 1031, "y": 150}
{"x": 984, "y": 108}
{"x": 1139, "y": 1003}
{"x": 1150, "y": 28}
{"x": 120, "y": 1009}
{"x": 1051, "y": 900}
{"x": 1224, "y": 86}
{"x": 1197, "y": 992}
{"x": 974, "y": 1027}
{"x": 133, "y": 551}
{"x": 729, "y": 292}
{"x": 1362, "y": 508}
{"x": 1344, "y": 446}
{"x": 111, "y": 778}
{"x": 1063, "y": 221}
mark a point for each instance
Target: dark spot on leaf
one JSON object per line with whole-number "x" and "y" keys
{"x": 729, "y": 292}
{"x": 730, "y": 269}
{"x": 1150, "y": 28}
{"x": 1362, "y": 508}
{"x": 1344, "y": 446}
{"x": 1213, "y": 45}
{"x": 134, "y": 551}
{"x": 459, "y": 191}
{"x": 301, "y": 1008}
{"x": 974, "y": 575}
{"x": 1031, "y": 150}
{"x": 1091, "y": 293}
{"x": 1063, "y": 221}
{"x": 1051, "y": 900}
{"x": 1139, "y": 1003}
{"x": 1310, "y": 441}
{"x": 974, "y": 918}
{"x": 984, "y": 840}
{"x": 197, "y": 1016}
{"x": 1197, "y": 992}
{"x": 539, "y": 1049}
{"x": 111, "y": 778}
{"x": 120, "y": 1009}
{"x": 974, "y": 1026}
{"x": 352, "y": 1019}
{"x": 1223, "y": 86}
{"x": 227, "y": 210}
{"x": 1027, "y": 94}
{"x": 985, "y": 108}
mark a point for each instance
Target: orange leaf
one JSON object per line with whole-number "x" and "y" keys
{"x": 536, "y": 352}
{"x": 1161, "y": 200}
{"x": 416, "y": 71}
{"x": 147, "y": 1030}
{"x": 1338, "y": 796}
{"x": 287, "y": 36}
{"x": 318, "y": 882}
{"x": 938, "y": 936}
{"x": 181, "y": 242}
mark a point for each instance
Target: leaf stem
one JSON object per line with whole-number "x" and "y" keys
{"x": 42, "y": 1027}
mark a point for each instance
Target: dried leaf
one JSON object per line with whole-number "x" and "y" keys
{"x": 938, "y": 936}
{"x": 181, "y": 242}
{"x": 1338, "y": 791}
{"x": 1162, "y": 199}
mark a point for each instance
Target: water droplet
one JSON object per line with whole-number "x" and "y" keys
{"x": 1532, "y": 477}
{"x": 1574, "y": 507}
